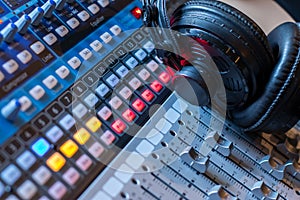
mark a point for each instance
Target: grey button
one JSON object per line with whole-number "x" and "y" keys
{"x": 26, "y": 160}
{"x": 10, "y": 174}
{"x": 27, "y": 190}
{"x": 54, "y": 134}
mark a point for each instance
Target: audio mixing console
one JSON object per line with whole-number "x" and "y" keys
{"x": 87, "y": 113}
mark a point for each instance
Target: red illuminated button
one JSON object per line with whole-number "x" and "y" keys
{"x": 118, "y": 126}
{"x": 138, "y": 105}
{"x": 128, "y": 115}
{"x": 136, "y": 12}
{"x": 156, "y": 86}
{"x": 164, "y": 77}
{"x": 147, "y": 95}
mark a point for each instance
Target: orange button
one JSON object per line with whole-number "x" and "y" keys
{"x": 56, "y": 162}
{"x": 69, "y": 148}
{"x": 82, "y": 136}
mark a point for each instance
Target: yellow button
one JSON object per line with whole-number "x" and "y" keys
{"x": 82, "y": 136}
{"x": 69, "y": 148}
{"x": 93, "y": 124}
{"x": 56, "y": 162}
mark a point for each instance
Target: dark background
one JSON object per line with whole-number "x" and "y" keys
{"x": 292, "y": 7}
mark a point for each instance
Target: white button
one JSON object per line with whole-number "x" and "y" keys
{"x": 37, "y": 92}
{"x": 122, "y": 71}
{"x": 62, "y": 31}
{"x": 103, "y": 3}
{"x": 124, "y": 173}
{"x": 25, "y": 103}
{"x": 135, "y": 160}
{"x": 140, "y": 54}
{"x": 172, "y": 115}
{"x": 144, "y": 74}
{"x": 125, "y": 92}
{"x": 145, "y": 148}
{"x": 106, "y": 37}
{"x": 105, "y": 113}
{"x": 1, "y": 76}
{"x": 154, "y": 136}
{"x": 91, "y": 100}
{"x": 96, "y": 45}
{"x": 50, "y": 39}
{"x": 83, "y": 15}
{"x": 67, "y": 122}
{"x": 101, "y": 195}
{"x": 50, "y": 82}
{"x": 27, "y": 190}
{"x": 112, "y": 80}
{"x": 74, "y": 62}
{"x": 54, "y": 134}
{"x": 73, "y": 23}
{"x": 102, "y": 90}
{"x": 11, "y": 66}
{"x": 85, "y": 54}
{"x": 115, "y": 102}
{"x": 132, "y": 62}
{"x": 80, "y": 111}
{"x": 135, "y": 83}
{"x": 62, "y": 72}
{"x": 37, "y": 47}
{"x": 113, "y": 187}
{"x": 116, "y": 30}
{"x": 57, "y": 190}
{"x": 180, "y": 105}
{"x": 163, "y": 125}
{"x": 149, "y": 46}
{"x": 94, "y": 8}
{"x": 96, "y": 150}
{"x": 24, "y": 56}
{"x": 108, "y": 137}
{"x": 41, "y": 175}
{"x": 152, "y": 65}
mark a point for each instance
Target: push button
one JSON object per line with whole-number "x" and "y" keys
{"x": 96, "y": 45}
{"x": 73, "y": 23}
{"x": 96, "y": 150}
{"x": 115, "y": 102}
{"x": 152, "y": 66}
{"x": 94, "y": 8}
{"x": 69, "y": 148}
{"x": 164, "y": 77}
{"x": 84, "y": 162}
{"x": 63, "y": 72}
{"x": 148, "y": 95}
{"x": 108, "y": 137}
{"x": 56, "y": 162}
{"x": 10, "y": 174}
{"x": 24, "y": 56}
{"x": 40, "y": 147}
{"x": 74, "y": 62}
{"x": 42, "y": 121}
{"x": 50, "y": 82}
{"x": 71, "y": 176}
{"x": 82, "y": 136}
{"x": 37, "y": 47}
{"x": 54, "y": 134}
{"x": 138, "y": 105}
{"x": 10, "y": 66}
{"x": 116, "y": 30}
{"x": 83, "y": 15}
{"x": 156, "y": 86}
{"x": 118, "y": 126}
{"x": 27, "y": 190}
{"x": 62, "y": 31}
{"x": 128, "y": 115}
{"x": 37, "y": 92}
{"x": 57, "y": 190}
{"x": 86, "y": 54}
{"x": 93, "y": 124}
{"x": 106, "y": 37}
{"x": 41, "y": 175}
{"x": 26, "y": 160}
{"x": 50, "y": 39}
{"x": 135, "y": 83}
{"x": 144, "y": 74}
{"x": 104, "y": 113}
{"x": 80, "y": 111}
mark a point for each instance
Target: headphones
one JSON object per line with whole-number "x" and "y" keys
{"x": 261, "y": 74}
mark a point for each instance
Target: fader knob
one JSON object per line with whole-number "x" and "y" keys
{"x": 70, "y": 1}
{"x": 23, "y": 24}
{"x": 9, "y": 32}
{"x": 36, "y": 16}
{"x": 11, "y": 110}
{"x": 217, "y": 193}
{"x": 60, "y": 4}
{"x": 48, "y": 8}
{"x": 262, "y": 191}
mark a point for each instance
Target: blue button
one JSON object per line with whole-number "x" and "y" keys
{"x": 40, "y": 147}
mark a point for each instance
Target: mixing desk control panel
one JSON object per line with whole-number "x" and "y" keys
{"x": 87, "y": 112}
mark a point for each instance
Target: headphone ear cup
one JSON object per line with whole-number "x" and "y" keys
{"x": 238, "y": 44}
{"x": 278, "y": 108}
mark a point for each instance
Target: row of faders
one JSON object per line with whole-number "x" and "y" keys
{"x": 76, "y": 82}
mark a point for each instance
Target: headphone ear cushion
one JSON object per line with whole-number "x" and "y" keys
{"x": 278, "y": 108}
{"x": 237, "y": 39}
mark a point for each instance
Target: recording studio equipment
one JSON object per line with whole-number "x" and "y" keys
{"x": 87, "y": 111}
{"x": 260, "y": 73}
